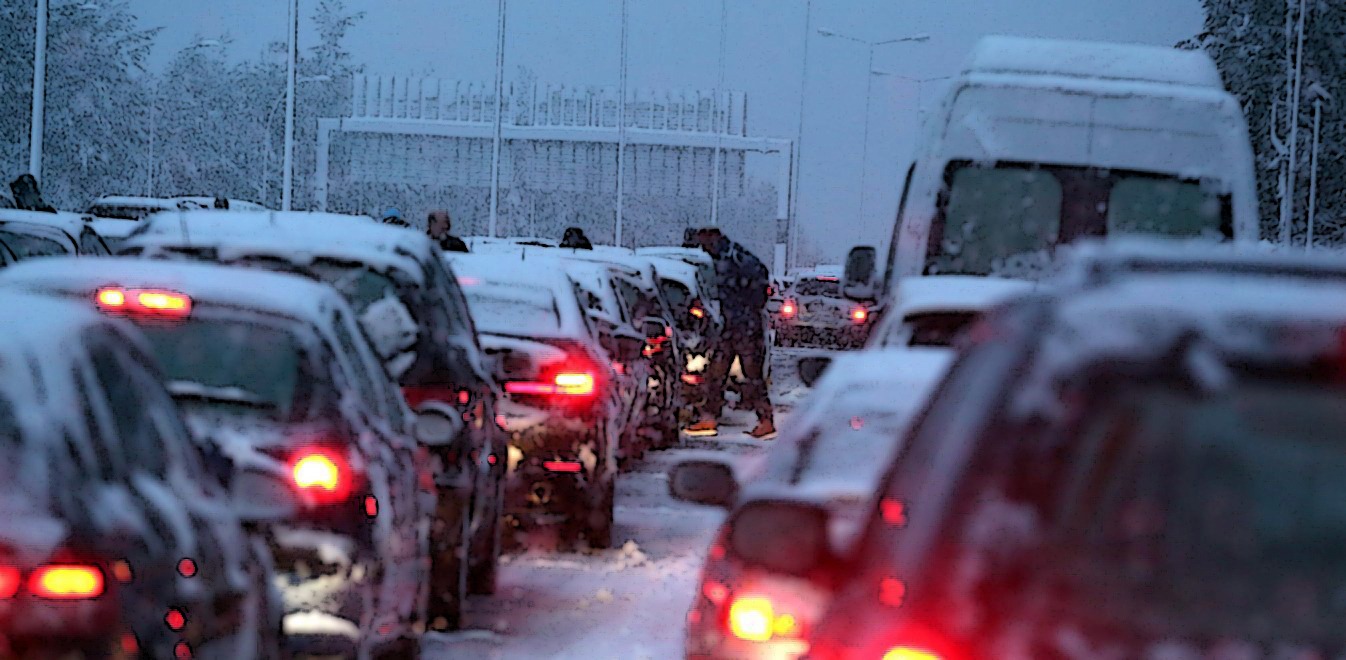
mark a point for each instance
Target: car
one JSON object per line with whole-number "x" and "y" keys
{"x": 76, "y": 228}
{"x": 288, "y": 381}
{"x": 568, "y": 404}
{"x": 698, "y": 328}
{"x": 701, "y": 260}
{"x": 834, "y": 451}
{"x": 415, "y": 313}
{"x": 116, "y": 539}
{"x": 118, "y": 216}
{"x": 1093, "y": 477}
{"x": 813, "y": 310}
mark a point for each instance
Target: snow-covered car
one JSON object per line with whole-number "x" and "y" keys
{"x": 705, "y": 269}
{"x": 567, "y": 410}
{"x": 812, "y": 311}
{"x": 77, "y": 230}
{"x": 116, "y": 539}
{"x": 698, "y": 327}
{"x": 290, "y": 383}
{"x": 834, "y": 451}
{"x": 1107, "y": 473}
{"x": 414, "y": 312}
{"x": 28, "y": 240}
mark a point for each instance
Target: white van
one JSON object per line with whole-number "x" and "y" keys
{"x": 1040, "y": 143}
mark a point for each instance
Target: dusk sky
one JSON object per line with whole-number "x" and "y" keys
{"x": 675, "y": 45}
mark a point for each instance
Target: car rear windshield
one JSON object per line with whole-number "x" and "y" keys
{"x": 1006, "y": 219}
{"x": 247, "y": 364}
{"x": 679, "y": 296}
{"x": 830, "y": 288}
{"x": 26, "y": 246}
{"x": 937, "y": 328}
{"x": 513, "y": 310}
{"x": 1243, "y": 483}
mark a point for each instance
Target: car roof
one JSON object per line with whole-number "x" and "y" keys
{"x": 503, "y": 270}
{"x": 41, "y": 230}
{"x": 1094, "y": 262}
{"x": 951, "y": 293}
{"x": 71, "y": 223}
{"x": 244, "y": 288}
{"x": 139, "y": 202}
{"x": 298, "y": 237}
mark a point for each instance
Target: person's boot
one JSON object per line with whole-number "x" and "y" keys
{"x": 706, "y": 427}
{"x": 765, "y": 430}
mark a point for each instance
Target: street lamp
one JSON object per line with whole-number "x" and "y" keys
{"x": 287, "y": 173}
{"x": 499, "y": 112}
{"x": 920, "y": 85}
{"x": 275, "y": 107}
{"x": 869, "y": 92}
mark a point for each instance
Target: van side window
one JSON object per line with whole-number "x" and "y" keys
{"x": 897, "y": 228}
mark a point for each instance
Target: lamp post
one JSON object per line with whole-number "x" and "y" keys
{"x": 621, "y": 132}
{"x": 287, "y": 171}
{"x": 499, "y": 111}
{"x": 869, "y": 92}
{"x": 792, "y": 222}
{"x": 39, "y": 93}
{"x": 266, "y": 170}
{"x": 719, "y": 130}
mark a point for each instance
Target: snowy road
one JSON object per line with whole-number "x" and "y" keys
{"x": 628, "y": 602}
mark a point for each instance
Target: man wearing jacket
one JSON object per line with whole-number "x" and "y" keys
{"x": 742, "y": 282}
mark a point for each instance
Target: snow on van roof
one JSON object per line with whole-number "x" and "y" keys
{"x": 1085, "y": 59}
{"x": 940, "y": 293}
{"x": 265, "y": 291}
{"x": 298, "y": 237}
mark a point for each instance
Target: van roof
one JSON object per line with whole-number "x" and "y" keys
{"x": 1083, "y": 59}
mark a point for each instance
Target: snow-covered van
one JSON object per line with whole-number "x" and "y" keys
{"x": 1041, "y": 143}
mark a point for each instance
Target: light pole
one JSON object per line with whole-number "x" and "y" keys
{"x": 287, "y": 172}
{"x": 621, "y": 133}
{"x": 792, "y": 223}
{"x": 275, "y": 107}
{"x": 869, "y": 92}
{"x": 39, "y": 93}
{"x": 499, "y": 110}
{"x": 719, "y": 132}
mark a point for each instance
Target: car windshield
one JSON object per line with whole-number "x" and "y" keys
{"x": 936, "y": 328}
{"x": 1008, "y": 219}
{"x": 26, "y": 245}
{"x": 513, "y": 310}
{"x": 248, "y": 364}
{"x": 677, "y": 293}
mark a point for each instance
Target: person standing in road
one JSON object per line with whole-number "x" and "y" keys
{"x": 440, "y": 227}
{"x": 743, "y": 282}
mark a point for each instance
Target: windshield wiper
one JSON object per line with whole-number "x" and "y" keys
{"x": 183, "y": 389}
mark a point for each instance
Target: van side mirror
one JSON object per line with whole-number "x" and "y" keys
{"x": 860, "y": 278}
{"x": 783, "y": 536}
{"x": 703, "y": 482}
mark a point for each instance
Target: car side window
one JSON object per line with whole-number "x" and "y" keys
{"x": 91, "y": 244}
{"x": 130, "y": 411}
{"x": 348, "y": 359}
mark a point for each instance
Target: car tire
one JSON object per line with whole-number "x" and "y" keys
{"x": 599, "y": 519}
{"x": 448, "y": 574}
{"x": 482, "y": 575}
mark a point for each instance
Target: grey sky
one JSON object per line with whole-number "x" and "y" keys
{"x": 674, "y": 44}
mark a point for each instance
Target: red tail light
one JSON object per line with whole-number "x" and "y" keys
{"x": 9, "y": 581}
{"x": 859, "y": 314}
{"x": 910, "y": 653}
{"x": 788, "y": 309}
{"x": 66, "y": 582}
{"x": 755, "y": 619}
{"x": 322, "y": 475}
{"x": 561, "y": 466}
{"x": 566, "y": 383}
{"x": 149, "y": 302}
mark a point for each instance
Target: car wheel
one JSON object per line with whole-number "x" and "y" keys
{"x": 481, "y": 578}
{"x": 449, "y": 567}
{"x": 598, "y": 531}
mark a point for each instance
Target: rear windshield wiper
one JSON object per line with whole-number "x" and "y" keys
{"x": 182, "y": 389}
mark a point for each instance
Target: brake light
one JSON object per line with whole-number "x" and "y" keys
{"x": 186, "y": 567}
{"x": 567, "y": 383}
{"x": 9, "y": 581}
{"x": 66, "y": 582}
{"x": 754, "y": 619}
{"x": 561, "y": 466}
{"x": 321, "y": 474}
{"x": 155, "y": 302}
{"x": 698, "y": 312}
{"x": 859, "y": 314}
{"x": 827, "y": 278}
{"x": 909, "y": 653}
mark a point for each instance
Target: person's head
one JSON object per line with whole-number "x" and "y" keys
{"x": 439, "y": 223}
{"x": 392, "y": 215}
{"x": 573, "y": 233}
{"x": 222, "y": 203}
{"x": 711, "y": 240}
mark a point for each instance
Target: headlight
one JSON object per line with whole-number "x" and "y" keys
{"x": 697, "y": 363}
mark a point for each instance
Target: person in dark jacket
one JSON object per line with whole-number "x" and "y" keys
{"x": 440, "y": 228}
{"x": 743, "y": 282}
{"x": 27, "y": 196}
{"x": 575, "y": 239}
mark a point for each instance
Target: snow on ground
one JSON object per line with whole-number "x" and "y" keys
{"x": 628, "y": 602}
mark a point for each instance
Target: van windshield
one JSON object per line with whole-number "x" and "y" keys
{"x": 1006, "y": 219}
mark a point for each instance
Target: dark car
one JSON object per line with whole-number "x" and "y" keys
{"x": 566, "y": 409}
{"x": 1137, "y": 470}
{"x": 415, "y": 314}
{"x": 288, "y": 383}
{"x": 115, "y": 540}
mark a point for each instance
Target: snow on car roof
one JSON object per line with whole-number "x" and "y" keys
{"x": 680, "y": 253}
{"x": 939, "y": 293}
{"x": 501, "y": 271}
{"x": 1084, "y": 59}
{"x": 139, "y": 202}
{"x": 298, "y": 237}
{"x": 246, "y": 288}
{"x": 1094, "y": 262}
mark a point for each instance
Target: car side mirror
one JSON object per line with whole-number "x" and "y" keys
{"x": 703, "y": 482}
{"x": 758, "y": 531}
{"x": 859, "y": 281}
{"x": 261, "y": 495}
{"x": 811, "y": 368}
{"x": 437, "y": 424}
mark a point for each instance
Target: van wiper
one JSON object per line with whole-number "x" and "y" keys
{"x": 182, "y": 389}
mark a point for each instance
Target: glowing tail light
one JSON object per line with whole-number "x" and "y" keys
{"x": 698, "y": 312}
{"x": 153, "y": 302}
{"x": 570, "y": 467}
{"x": 321, "y": 475}
{"x": 909, "y": 653}
{"x": 565, "y": 383}
{"x": 66, "y": 582}
{"x": 859, "y": 314}
{"x": 788, "y": 309}
{"x": 754, "y": 619}
{"x": 9, "y": 581}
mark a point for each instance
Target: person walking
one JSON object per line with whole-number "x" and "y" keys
{"x": 575, "y": 239}
{"x": 440, "y": 228}
{"x": 743, "y": 282}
